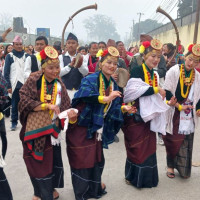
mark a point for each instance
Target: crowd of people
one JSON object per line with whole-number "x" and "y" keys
{"x": 90, "y": 93}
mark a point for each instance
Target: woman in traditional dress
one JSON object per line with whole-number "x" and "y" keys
{"x": 183, "y": 84}
{"x": 42, "y": 98}
{"x": 5, "y": 191}
{"x": 99, "y": 120}
{"x": 92, "y": 59}
{"x": 139, "y": 129}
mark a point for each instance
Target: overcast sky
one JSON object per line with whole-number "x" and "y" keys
{"x": 53, "y": 14}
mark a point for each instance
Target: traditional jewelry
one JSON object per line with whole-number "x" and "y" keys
{"x": 102, "y": 90}
{"x": 186, "y": 81}
{"x": 151, "y": 80}
{"x": 48, "y": 99}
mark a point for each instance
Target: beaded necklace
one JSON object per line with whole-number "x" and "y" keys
{"x": 152, "y": 80}
{"x": 48, "y": 98}
{"x": 188, "y": 81}
{"x": 102, "y": 88}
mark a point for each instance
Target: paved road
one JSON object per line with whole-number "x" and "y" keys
{"x": 113, "y": 176}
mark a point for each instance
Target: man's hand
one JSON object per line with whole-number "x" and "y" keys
{"x": 72, "y": 62}
{"x": 5, "y": 34}
{"x": 78, "y": 61}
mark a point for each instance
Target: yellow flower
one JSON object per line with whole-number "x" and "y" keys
{"x": 99, "y": 53}
{"x": 38, "y": 57}
{"x": 142, "y": 49}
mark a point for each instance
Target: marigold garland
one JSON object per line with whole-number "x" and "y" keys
{"x": 147, "y": 77}
{"x": 186, "y": 81}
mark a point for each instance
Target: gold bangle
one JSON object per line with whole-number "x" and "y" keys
{"x": 122, "y": 109}
{"x": 73, "y": 122}
{"x": 180, "y": 107}
{"x": 156, "y": 90}
{"x": 44, "y": 106}
{"x": 100, "y": 99}
{"x": 166, "y": 101}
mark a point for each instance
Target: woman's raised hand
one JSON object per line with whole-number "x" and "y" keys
{"x": 112, "y": 96}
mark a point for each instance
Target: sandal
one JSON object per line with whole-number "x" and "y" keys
{"x": 35, "y": 197}
{"x": 127, "y": 182}
{"x": 170, "y": 175}
{"x": 103, "y": 186}
{"x": 55, "y": 194}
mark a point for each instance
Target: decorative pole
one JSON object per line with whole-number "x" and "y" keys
{"x": 70, "y": 18}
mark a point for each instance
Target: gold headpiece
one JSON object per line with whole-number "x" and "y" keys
{"x": 49, "y": 55}
{"x": 156, "y": 44}
{"x": 196, "y": 50}
{"x": 51, "y": 52}
{"x": 113, "y": 51}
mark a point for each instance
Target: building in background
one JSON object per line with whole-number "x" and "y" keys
{"x": 18, "y": 25}
{"x": 43, "y": 32}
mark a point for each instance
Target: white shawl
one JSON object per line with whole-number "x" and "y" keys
{"x": 152, "y": 108}
{"x": 171, "y": 81}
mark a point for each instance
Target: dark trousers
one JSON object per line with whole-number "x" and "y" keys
{"x": 43, "y": 187}
{"x": 5, "y": 192}
{"x": 3, "y": 137}
{"x": 14, "y": 103}
{"x": 6, "y": 111}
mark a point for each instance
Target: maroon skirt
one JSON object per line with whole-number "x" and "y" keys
{"x": 174, "y": 141}
{"x": 140, "y": 141}
{"x": 37, "y": 169}
{"x": 82, "y": 152}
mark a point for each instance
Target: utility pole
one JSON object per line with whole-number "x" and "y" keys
{"x": 140, "y": 14}
{"x": 196, "y": 22}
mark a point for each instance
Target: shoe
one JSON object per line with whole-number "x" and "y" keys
{"x": 160, "y": 140}
{"x": 13, "y": 127}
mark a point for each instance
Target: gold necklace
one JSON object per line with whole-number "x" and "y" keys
{"x": 188, "y": 82}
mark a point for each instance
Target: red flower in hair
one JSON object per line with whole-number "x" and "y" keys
{"x": 146, "y": 44}
{"x": 190, "y": 47}
{"x": 43, "y": 54}
{"x": 105, "y": 52}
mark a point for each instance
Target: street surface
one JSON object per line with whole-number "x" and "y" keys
{"x": 113, "y": 176}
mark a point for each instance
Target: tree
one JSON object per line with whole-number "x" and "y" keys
{"x": 186, "y": 7}
{"x": 145, "y": 27}
{"x": 101, "y": 28}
